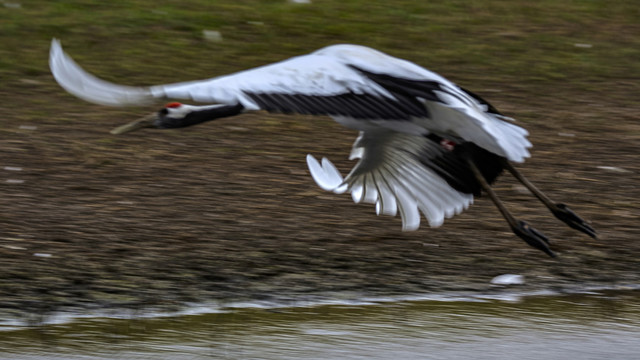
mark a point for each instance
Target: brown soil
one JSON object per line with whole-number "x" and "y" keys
{"x": 226, "y": 210}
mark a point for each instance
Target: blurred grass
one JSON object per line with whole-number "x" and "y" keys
{"x": 524, "y": 50}
{"x": 147, "y": 42}
{"x": 520, "y": 55}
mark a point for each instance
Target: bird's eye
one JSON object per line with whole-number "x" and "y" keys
{"x": 164, "y": 111}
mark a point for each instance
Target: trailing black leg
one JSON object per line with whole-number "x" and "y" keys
{"x": 530, "y": 235}
{"x": 561, "y": 211}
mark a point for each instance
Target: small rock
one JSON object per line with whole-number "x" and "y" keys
{"x": 237, "y": 128}
{"x": 12, "y": 168}
{"x": 12, "y": 239}
{"x": 28, "y": 127}
{"x": 300, "y": 1}
{"x": 520, "y": 189}
{"x": 430, "y": 244}
{"x": 614, "y": 169}
{"x": 44, "y": 255}
{"x": 13, "y": 247}
{"x": 14, "y": 181}
{"x": 584, "y": 46}
{"x": 212, "y": 35}
{"x": 11, "y": 5}
{"x": 508, "y": 279}
{"x": 30, "y": 82}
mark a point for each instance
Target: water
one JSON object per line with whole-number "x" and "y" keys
{"x": 596, "y": 325}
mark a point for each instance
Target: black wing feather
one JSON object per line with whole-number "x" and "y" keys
{"x": 407, "y": 87}
{"x": 490, "y": 108}
{"x": 404, "y": 105}
{"x": 357, "y": 106}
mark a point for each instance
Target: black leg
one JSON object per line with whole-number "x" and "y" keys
{"x": 530, "y": 235}
{"x": 561, "y": 211}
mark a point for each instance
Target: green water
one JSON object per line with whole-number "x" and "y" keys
{"x": 587, "y": 326}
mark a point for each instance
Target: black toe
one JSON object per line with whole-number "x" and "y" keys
{"x": 564, "y": 213}
{"x": 533, "y": 237}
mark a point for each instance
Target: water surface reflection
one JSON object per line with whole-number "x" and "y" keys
{"x": 587, "y": 326}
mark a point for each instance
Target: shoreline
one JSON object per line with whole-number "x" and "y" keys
{"x": 501, "y": 293}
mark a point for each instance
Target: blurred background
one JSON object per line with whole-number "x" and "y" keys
{"x": 101, "y": 234}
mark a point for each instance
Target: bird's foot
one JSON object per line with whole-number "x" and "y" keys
{"x": 533, "y": 237}
{"x": 564, "y": 213}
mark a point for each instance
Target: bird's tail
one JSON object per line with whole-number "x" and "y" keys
{"x": 452, "y": 166}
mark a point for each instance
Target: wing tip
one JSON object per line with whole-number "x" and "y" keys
{"x": 55, "y": 43}
{"x": 54, "y": 53}
{"x": 76, "y": 81}
{"x": 326, "y": 175}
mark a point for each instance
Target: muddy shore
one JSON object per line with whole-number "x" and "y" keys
{"x": 227, "y": 211}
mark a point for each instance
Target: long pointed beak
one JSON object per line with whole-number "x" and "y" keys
{"x": 145, "y": 122}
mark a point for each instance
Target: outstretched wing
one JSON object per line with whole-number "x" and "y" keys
{"x": 88, "y": 87}
{"x": 396, "y": 173}
{"x": 320, "y": 83}
{"x": 343, "y": 81}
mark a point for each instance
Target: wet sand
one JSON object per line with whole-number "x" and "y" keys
{"x": 226, "y": 211}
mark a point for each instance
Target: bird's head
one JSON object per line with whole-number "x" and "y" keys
{"x": 176, "y": 115}
{"x": 170, "y": 116}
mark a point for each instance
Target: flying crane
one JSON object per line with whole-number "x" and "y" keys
{"x": 425, "y": 145}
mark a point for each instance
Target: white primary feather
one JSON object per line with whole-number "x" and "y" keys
{"x": 390, "y": 175}
{"x": 325, "y": 175}
{"x": 88, "y": 87}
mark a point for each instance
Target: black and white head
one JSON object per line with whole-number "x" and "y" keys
{"x": 177, "y": 115}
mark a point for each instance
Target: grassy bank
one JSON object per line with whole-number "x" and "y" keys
{"x": 151, "y": 42}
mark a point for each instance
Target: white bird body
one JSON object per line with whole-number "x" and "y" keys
{"x": 409, "y": 120}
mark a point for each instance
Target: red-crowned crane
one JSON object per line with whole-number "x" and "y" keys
{"x": 425, "y": 146}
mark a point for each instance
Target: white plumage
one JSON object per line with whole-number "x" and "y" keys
{"x": 394, "y": 104}
{"x": 387, "y": 177}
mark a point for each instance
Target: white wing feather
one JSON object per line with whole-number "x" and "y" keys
{"x": 463, "y": 116}
{"x": 325, "y": 175}
{"x": 390, "y": 175}
{"x": 88, "y": 87}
